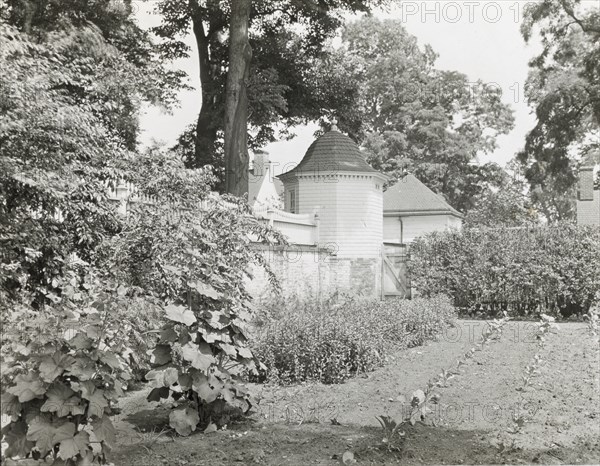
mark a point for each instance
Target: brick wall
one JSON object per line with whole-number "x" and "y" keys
{"x": 586, "y": 183}
{"x": 588, "y": 211}
{"x": 312, "y": 272}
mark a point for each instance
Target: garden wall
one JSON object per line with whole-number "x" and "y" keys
{"x": 310, "y": 271}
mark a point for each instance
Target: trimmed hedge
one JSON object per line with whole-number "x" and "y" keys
{"x": 332, "y": 341}
{"x": 555, "y": 268}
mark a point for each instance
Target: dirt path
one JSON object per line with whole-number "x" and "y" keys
{"x": 468, "y": 426}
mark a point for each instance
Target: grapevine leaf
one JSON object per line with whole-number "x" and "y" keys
{"x": 97, "y": 404}
{"x": 46, "y": 434}
{"x": 73, "y": 446}
{"x": 53, "y": 366}
{"x": 83, "y": 368}
{"x": 184, "y": 421}
{"x": 198, "y": 356}
{"x": 228, "y": 349}
{"x": 10, "y": 405}
{"x": 207, "y": 389}
{"x": 156, "y": 394}
{"x": 62, "y": 401}
{"x": 163, "y": 378}
{"x": 107, "y": 357}
{"x": 245, "y": 352}
{"x": 81, "y": 341}
{"x": 161, "y": 355}
{"x": 15, "y": 435}
{"x": 185, "y": 381}
{"x": 27, "y": 387}
{"x": 205, "y": 290}
{"x": 180, "y": 314}
{"x": 168, "y": 335}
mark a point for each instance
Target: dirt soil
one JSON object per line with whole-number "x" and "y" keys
{"x": 469, "y": 425}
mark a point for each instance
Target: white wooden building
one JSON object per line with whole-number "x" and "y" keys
{"x": 411, "y": 209}
{"x": 345, "y": 233}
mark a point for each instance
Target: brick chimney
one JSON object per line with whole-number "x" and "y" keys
{"x": 586, "y": 183}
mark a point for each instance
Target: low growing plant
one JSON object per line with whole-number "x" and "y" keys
{"x": 546, "y": 325}
{"x": 421, "y": 398}
{"x": 333, "y": 340}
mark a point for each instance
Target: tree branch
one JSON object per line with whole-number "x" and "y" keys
{"x": 585, "y": 28}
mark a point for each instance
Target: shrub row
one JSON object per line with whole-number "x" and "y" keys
{"x": 555, "y": 268}
{"x": 334, "y": 340}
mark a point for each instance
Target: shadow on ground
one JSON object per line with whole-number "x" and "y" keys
{"x": 280, "y": 444}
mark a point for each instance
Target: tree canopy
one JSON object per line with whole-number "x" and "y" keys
{"x": 409, "y": 115}
{"x": 286, "y": 37}
{"x": 563, "y": 87}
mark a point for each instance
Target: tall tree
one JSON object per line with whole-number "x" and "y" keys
{"x": 286, "y": 36}
{"x": 408, "y": 115}
{"x": 563, "y": 87}
{"x": 236, "y": 101}
{"x": 504, "y": 206}
{"x": 114, "y": 22}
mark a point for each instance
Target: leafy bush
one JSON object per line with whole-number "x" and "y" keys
{"x": 334, "y": 340}
{"x": 523, "y": 271}
{"x": 63, "y": 369}
{"x": 74, "y": 273}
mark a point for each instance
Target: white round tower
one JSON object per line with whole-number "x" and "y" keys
{"x": 334, "y": 180}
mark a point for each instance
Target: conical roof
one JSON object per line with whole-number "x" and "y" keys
{"x": 409, "y": 195}
{"x": 331, "y": 152}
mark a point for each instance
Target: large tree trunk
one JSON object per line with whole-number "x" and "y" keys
{"x": 208, "y": 122}
{"x": 236, "y": 100}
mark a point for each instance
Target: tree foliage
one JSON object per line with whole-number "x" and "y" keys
{"x": 563, "y": 87}
{"x": 72, "y": 268}
{"x": 114, "y": 23}
{"x": 507, "y": 206}
{"x": 286, "y": 37}
{"x": 410, "y": 115}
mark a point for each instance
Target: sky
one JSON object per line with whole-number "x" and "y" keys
{"x": 478, "y": 38}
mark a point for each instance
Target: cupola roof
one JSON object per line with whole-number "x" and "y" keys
{"x": 331, "y": 152}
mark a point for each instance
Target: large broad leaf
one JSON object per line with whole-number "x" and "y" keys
{"x": 180, "y": 314}
{"x": 163, "y": 378}
{"x": 205, "y": 289}
{"x": 27, "y": 387}
{"x": 199, "y": 356}
{"x": 108, "y": 357}
{"x": 47, "y": 434}
{"x": 83, "y": 368}
{"x": 161, "y": 355}
{"x": 10, "y": 405}
{"x": 184, "y": 421}
{"x": 105, "y": 431}
{"x": 244, "y": 352}
{"x": 228, "y": 349}
{"x": 73, "y": 446}
{"x": 97, "y": 404}
{"x": 15, "y": 435}
{"x": 62, "y": 401}
{"x": 207, "y": 388}
{"x": 156, "y": 394}
{"x": 53, "y": 366}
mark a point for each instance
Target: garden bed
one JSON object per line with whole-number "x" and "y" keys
{"x": 292, "y": 425}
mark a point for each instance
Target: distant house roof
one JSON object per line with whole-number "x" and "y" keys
{"x": 331, "y": 152}
{"x": 262, "y": 186}
{"x": 411, "y": 196}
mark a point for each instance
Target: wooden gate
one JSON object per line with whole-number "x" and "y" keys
{"x": 394, "y": 276}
